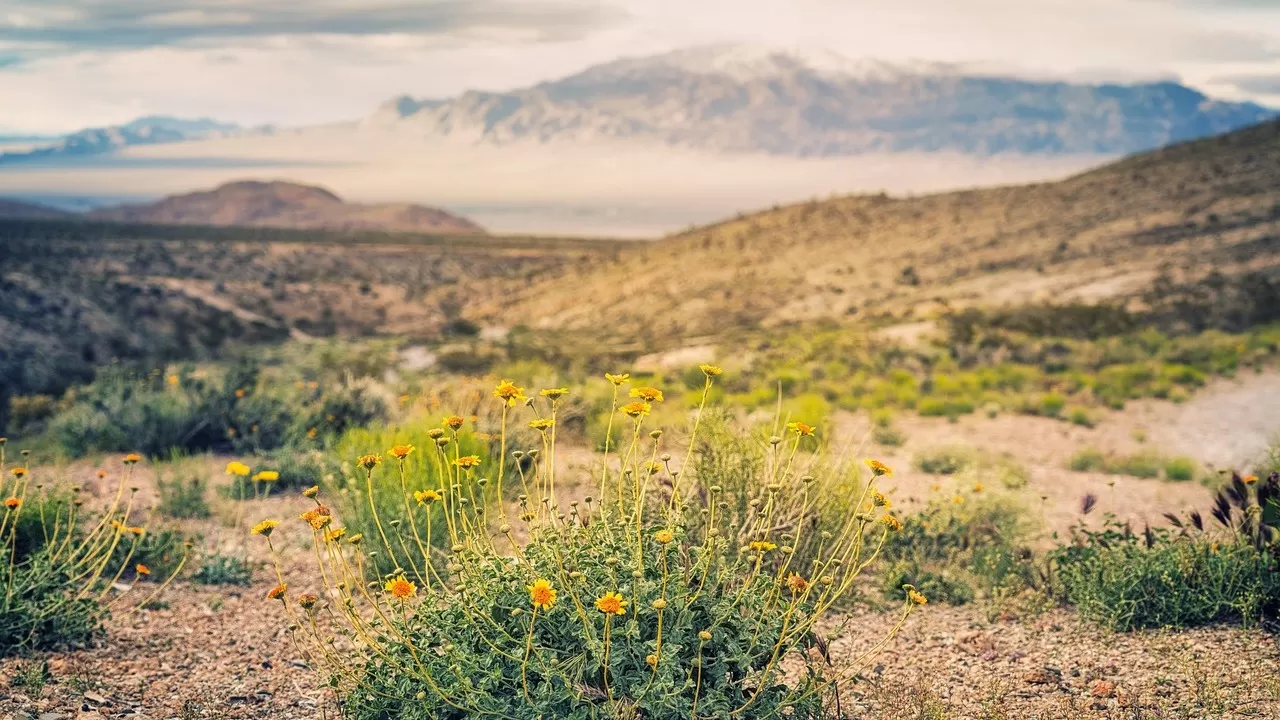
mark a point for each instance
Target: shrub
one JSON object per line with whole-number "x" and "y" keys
{"x": 182, "y": 488}
{"x": 1180, "y": 469}
{"x": 55, "y": 585}
{"x": 889, "y": 436}
{"x": 1088, "y": 460}
{"x": 1127, "y": 581}
{"x": 613, "y": 607}
{"x": 960, "y": 549}
{"x": 947, "y": 460}
{"x": 1141, "y": 465}
{"x": 220, "y": 569}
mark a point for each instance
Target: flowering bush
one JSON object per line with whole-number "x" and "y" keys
{"x": 57, "y": 584}
{"x": 609, "y": 606}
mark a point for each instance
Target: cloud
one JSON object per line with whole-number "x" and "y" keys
{"x": 131, "y": 24}
{"x": 1252, "y": 84}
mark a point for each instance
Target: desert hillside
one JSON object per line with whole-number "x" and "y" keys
{"x": 1206, "y": 205}
{"x": 286, "y": 205}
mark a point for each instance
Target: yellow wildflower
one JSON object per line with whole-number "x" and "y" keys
{"x": 797, "y": 584}
{"x": 467, "y": 461}
{"x": 711, "y": 370}
{"x": 132, "y": 459}
{"x": 237, "y": 468}
{"x": 400, "y": 452}
{"x": 542, "y": 595}
{"x": 142, "y": 570}
{"x": 891, "y": 522}
{"x": 636, "y": 409}
{"x": 317, "y": 517}
{"x": 617, "y": 379}
{"x": 277, "y": 592}
{"x": 878, "y": 468}
{"x": 19, "y": 472}
{"x": 554, "y": 393}
{"x": 13, "y": 503}
{"x": 1250, "y": 479}
{"x": 453, "y": 422}
{"x": 509, "y": 393}
{"x": 915, "y": 597}
{"x": 801, "y": 429}
{"x": 401, "y": 589}
{"x": 611, "y": 603}
{"x": 647, "y": 394}
{"x": 879, "y": 500}
{"x": 369, "y": 462}
{"x": 762, "y": 546}
{"x": 307, "y": 600}
{"x": 428, "y": 496}
{"x": 335, "y": 534}
{"x": 664, "y": 536}
{"x": 541, "y": 424}
{"x": 265, "y": 528}
{"x": 311, "y": 492}
{"x": 266, "y": 476}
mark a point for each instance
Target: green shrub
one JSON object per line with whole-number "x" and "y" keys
{"x": 1080, "y": 416}
{"x": 1141, "y": 465}
{"x": 613, "y": 607}
{"x": 235, "y": 410}
{"x": 960, "y": 549}
{"x": 1051, "y": 404}
{"x": 182, "y": 487}
{"x": 1088, "y": 460}
{"x": 58, "y": 570}
{"x": 1126, "y": 581}
{"x": 1180, "y": 469}
{"x": 947, "y": 460}
{"x": 220, "y": 569}
{"x": 889, "y": 436}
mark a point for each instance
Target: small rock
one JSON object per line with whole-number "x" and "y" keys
{"x": 1103, "y": 689}
{"x": 1046, "y": 675}
{"x": 96, "y": 699}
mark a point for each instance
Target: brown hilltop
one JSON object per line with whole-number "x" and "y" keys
{"x": 286, "y": 205}
{"x": 1194, "y": 207}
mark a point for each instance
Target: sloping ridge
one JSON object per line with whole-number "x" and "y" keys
{"x": 18, "y": 210}
{"x": 1211, "y": 204}
{"x": 286, "y": 205}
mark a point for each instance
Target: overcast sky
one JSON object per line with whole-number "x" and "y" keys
{"x": 68, "y": 64}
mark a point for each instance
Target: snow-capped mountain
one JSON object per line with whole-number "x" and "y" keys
{"x": 738, "y": 98}
{"x": 151, "y": 130}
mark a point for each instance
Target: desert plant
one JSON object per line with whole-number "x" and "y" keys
{"x": 220, "y": 569}
{"x": 182, "y": 487}
{"x": 946, "y": 460}
{"x": 961, "y": 546}
{"x": 611, "y": 606}
{"x": 57, "y": 592}
{"x": 1127, "y": 580}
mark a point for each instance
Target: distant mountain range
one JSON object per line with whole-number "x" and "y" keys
{"x": 150, "y": 130}
{"x": 746, "y": 98}
{"x": 736, "y": 98}
{"x": 266, "y": 204}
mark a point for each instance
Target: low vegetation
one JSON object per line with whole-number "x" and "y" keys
{"x": 615, "y": 604}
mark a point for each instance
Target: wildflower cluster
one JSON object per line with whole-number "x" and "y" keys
{"x": 64, "y": 561}
{"x": 614, "y": 604}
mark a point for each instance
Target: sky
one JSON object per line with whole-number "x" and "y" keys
{"x": 70, "y": 64}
